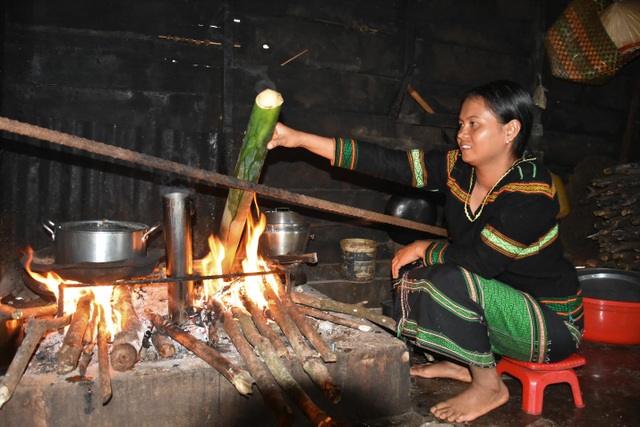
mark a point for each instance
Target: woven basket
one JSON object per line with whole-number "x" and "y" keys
{"x": 578, "y": 46}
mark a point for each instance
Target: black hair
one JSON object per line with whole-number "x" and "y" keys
{"x": 507, "y": 101}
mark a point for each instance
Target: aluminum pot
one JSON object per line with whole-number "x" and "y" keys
{"x": 98, "y": 240}
{"x": 286, "y": 233}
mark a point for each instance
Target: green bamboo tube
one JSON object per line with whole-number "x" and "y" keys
{"x": 262, "y": 122}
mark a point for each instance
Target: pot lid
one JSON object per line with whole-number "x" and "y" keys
{"x": 283, "y": 216}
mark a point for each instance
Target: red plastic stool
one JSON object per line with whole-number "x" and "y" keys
{"x": 536, "y": 376}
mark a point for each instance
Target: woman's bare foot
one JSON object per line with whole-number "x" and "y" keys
{"x": 486, "y": 392}
{"x": 444, "y": 369}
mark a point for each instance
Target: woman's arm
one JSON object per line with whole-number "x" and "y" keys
{"x": 284, "y": 136}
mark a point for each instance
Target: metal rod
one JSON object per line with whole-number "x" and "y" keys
{"x": 208, "y": 176}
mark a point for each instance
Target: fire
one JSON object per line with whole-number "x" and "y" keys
{"x": 73, "y": 292}
{"x": 250, "y": 286}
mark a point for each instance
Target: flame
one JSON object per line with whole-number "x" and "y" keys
{"x": 252, "y": 287}
{"x": 73, "y": 292}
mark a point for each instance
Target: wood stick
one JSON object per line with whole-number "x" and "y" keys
{"x": 323, "y": 315}
{"x": 126, "y": 343}
{"x": 280, "y": 372}
{"x": 260, "y": 321}
{"x": 311, "y": 363}
{"x": 89, "y": 341}
{"x": 8, "y": 312}
{"x": 71, "y": 348}
{"x": 340, "y": 307}
{"x": 240, "y": 378}
{"x": 163, "y": 344}
{"x": 34, "y": 331}
{"x": 269, "y": 389}
{"x": 415, "y": 95}
{"x": 307, "y": 329}
{"x": 104, "y": 372}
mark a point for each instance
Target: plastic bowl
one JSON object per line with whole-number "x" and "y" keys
{"x": 611, "y": 300}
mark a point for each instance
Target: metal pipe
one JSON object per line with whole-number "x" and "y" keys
{"x": 177, "y": 211}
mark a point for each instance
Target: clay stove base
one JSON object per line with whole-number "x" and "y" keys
{"x": 372, "y": 368}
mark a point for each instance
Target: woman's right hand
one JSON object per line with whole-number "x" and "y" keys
{"x": 284, "y": 136}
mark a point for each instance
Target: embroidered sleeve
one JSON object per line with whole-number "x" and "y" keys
{"x": 434, "y": 254}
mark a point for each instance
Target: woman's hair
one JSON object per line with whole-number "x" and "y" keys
{"x": 508, "y": 101}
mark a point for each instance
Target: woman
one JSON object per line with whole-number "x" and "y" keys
{"x": 500, "y": 284}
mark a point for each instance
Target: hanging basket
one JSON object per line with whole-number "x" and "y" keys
{"x": 578, "y": 46}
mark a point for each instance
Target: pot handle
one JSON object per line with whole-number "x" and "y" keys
{"x": 146, "y": 235}
{"x": 50, "y": 227}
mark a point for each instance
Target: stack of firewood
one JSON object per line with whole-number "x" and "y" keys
{"x": 617, "y": 196}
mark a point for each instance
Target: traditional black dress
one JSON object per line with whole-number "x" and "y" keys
{"x": 500, "y": 284}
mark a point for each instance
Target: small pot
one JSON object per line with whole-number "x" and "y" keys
{"x": 286, "y": 233}
{"x": 98, "y": 241}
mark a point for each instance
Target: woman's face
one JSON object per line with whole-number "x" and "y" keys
{"x": 482, "y": 139}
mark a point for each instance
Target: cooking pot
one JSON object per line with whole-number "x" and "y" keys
{"x": 98, "y": 240}
{"x": 286, "y": 233}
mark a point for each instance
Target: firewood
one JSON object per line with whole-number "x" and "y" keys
{"x": 311, "y": 363}
{"x": 163, "y": 344}
{"x": 260, "y": 321}
{"x": 104, "y": 372}
{"x": 126, "y": 343}
{"x": 280, "y": 372}
{"x": 307, "y": 329}
{"x": 89, "y": 342}
{"x": 269, "y": 389}
{"x": 323, "y": 315}
{"x": 34, "y": 331}
{"x": 357, "y": 310}
{"x": 71, "y": 348}
{"x": 240, "y": 378}
{"x": 8, "y": 312}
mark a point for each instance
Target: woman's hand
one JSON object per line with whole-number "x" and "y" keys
{"x": 284, "y": 136}
{"x": 407, "y": 255}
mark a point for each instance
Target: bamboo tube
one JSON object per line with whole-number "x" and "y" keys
{"x": 322, "y": 315}
{"x": 262, "y": 122}
{"x": 34, "y": 331}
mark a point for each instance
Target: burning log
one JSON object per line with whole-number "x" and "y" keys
{"x": 163, "y": 344}
{"x": 322, "y": 315}
{"x": 268, "y": 388}
{"x": 260, "y": 321}
{"x": 340, "y": 307}
{"x": 71, "y": 349}
{"x": 34, "y": 331}
{"x": 316, "y": 415}
{"x": 103, "y": 359}
{"x": 240, "y": 378}
{"x": 7, "y": 312}
{"x": 89, "y": 342}
{"x": 127, "y": 342}
{"x": 311, "y": 363}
